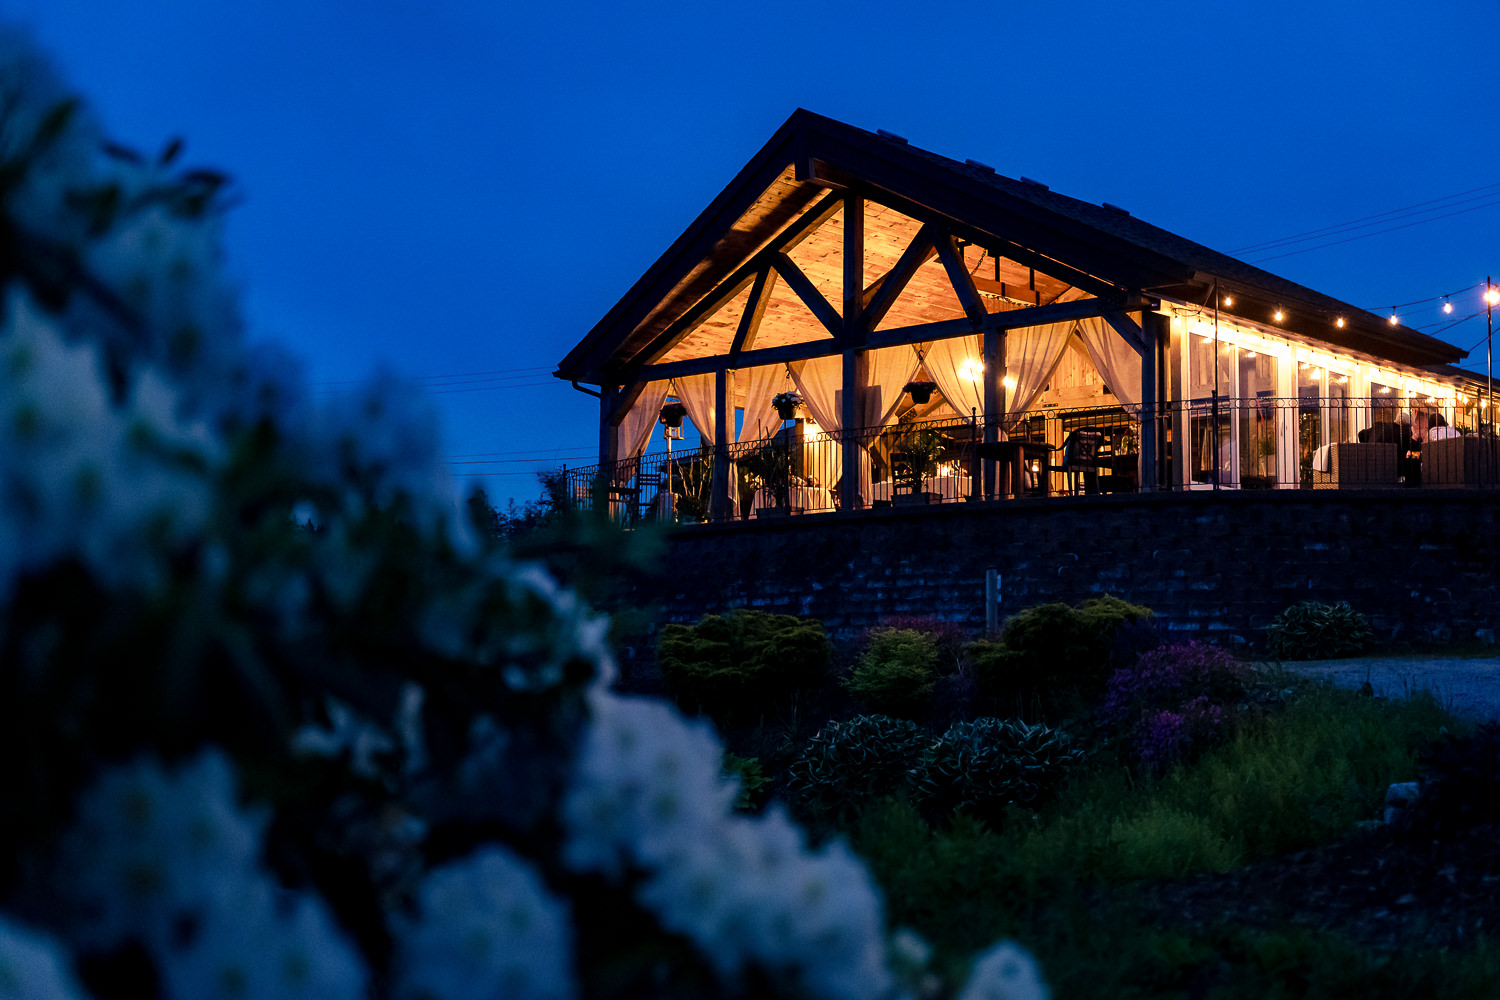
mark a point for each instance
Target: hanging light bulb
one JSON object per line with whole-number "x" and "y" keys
{"x": 1447, "y": 306}
{"x": 1228, "y": 301}
{"x": 1339, "y": 322}
{"x": 1492, "y": 295}
{"x": 1394, "y": 320}
{"x": 1008, "y": 382}
{"x": 1278, "y": 316}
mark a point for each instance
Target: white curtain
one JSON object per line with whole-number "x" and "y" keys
{"x": 1031, "y": 355}
{"x": 633, "y": 433}
{"x": 697, "y": 394}
{"x": 760, "y": 385}
{"x": 882, "y": 378}
{"x": 953, "y": 364}
{"x": 1114, "y": 359}
{"x": 821, "y": 382}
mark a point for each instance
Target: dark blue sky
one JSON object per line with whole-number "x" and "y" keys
{"x": 465, "y": 187}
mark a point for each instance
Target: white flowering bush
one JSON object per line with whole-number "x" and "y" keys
{"x": 279, "y": 722}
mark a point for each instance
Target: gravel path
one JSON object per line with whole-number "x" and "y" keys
{"x": 1469, "y": 687}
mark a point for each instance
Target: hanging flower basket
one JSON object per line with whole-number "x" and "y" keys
{"x": 672, "y": 414}
{"x": 786, "y": 403}
{"x": 921, "y": 392}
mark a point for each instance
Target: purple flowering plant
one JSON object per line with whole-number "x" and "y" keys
{"x": 1169, "y": 704}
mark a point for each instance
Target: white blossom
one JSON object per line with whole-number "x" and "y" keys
{"x": 253, "y": 943}
{"x": 646, "y": 786}
{"x": 486, "y": 926}
{"x": 116, "y": 484}
{"x": 153, "y": 847}
{"x": 33, "y": 966}
{"x": 1004, "y": 972}
{"x": 647, "y": 796}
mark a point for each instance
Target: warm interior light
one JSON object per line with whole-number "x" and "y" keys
{"x": 1316, "y": 374}
{"x": 1249, "y": 354}
{"x": 1385, "y": 389}
{"x": 1343, "y": 379}
{"x": 1008, "y": 382}
{"x": 972, "y": 369}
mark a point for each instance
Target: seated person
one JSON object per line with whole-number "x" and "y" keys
{"x": 1437, "y": 429}
{"x": 1399, "y": 433}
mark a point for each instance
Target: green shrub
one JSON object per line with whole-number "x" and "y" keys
{"x": 752, "y": 779}
{"x": 738, "y": 665}
{"x": 895, "y": 674}
{"x": 988, "y": 764}
{"x": 1313, "y": 631}
{"x": 1053, "y": 654}
{"x": 848, "y": 764}
{"x": 1167, "y": 842}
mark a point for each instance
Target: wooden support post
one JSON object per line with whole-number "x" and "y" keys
{"x": 849, "y": 497}
{"x": 994, "y": 399}
{"x": 1154, "y": 334}
{"x": 852, "y": 339}
{"x": 609, "y": 405}
{"x": 720, "y": 498}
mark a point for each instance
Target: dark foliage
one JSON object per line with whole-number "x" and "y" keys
{"x": 734, "y": 667}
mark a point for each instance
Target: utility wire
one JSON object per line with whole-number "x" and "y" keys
{"x": 1371, "y": 220}
{"x": 1378, "y": 232}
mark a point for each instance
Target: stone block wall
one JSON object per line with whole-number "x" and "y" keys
{"x": 1423, "y": 566}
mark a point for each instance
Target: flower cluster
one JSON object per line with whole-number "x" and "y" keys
{"x": 1169, "y": 703}
{"x": 281, "y": 723}
{"x": 1166, "y": 737}
{"x": 791, "y": 399}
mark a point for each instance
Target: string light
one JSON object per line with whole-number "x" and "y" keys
{"x": 1447, "y": 306}
{"x": 1339, "y": 322}
{"x": 1228, "y": 301}
{"x": 1394, "y": 320}
{"x": 1278, "y": 316}
{"x": 1492, "y": 296}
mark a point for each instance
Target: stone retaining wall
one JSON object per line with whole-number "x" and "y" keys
{"x": 1422, "y": 565}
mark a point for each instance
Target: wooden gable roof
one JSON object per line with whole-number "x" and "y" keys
{"x": 788, "y": 201}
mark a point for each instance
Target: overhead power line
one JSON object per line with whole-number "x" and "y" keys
{"x": 1487, "y": 191}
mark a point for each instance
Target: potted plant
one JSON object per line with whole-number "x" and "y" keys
{"x": 921, "y": 391}
{"x": 786, "y": 403}
{"x": 769, "y": 469}
{"x": 913, "y": 459}
{"x": 672, "y": 414}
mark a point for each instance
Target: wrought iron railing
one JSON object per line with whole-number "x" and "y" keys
{"x": 1201, "y": 444}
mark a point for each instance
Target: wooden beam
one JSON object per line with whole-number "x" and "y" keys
{"x": 960, "y": 279}
{"x": 809, "y": 294}
{"x": 735, "y": 283}
{"x": 849, "y": 419}
{"x": 1014, "y": 293}
{"x": 917, "y": 253}
{"x": 719, "y": 500}
{"x": 1056, "y": 312}
{"x": 1129, "y": 330}
{"x": 854, "y": 270}
{"x": 755, "y": 310}
{"x": 1000, "y": 242}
